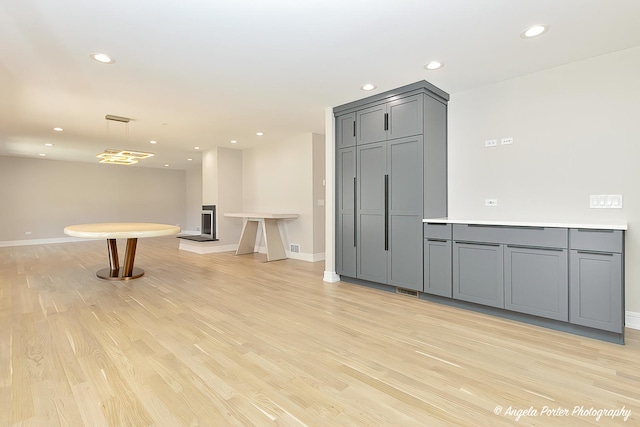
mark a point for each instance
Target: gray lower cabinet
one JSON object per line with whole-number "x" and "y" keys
{"x": 596, "y": 279}
{"x": 437, "y": 267}
{"x": 536, "y": 281}
{"x": 438, "y": 259}
{"x": 477, "y": 273}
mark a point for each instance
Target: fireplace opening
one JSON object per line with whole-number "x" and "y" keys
{"x": 208, "y": 226}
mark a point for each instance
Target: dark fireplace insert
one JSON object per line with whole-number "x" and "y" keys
{"x": 207, "y": 226}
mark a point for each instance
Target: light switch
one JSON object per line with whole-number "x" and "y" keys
{"x": 605, "y": 201}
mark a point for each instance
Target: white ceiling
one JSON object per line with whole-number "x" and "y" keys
{"x": 217, "y": 70}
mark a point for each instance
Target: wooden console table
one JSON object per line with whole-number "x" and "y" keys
{"x": 270, "y": 232}
{"x": 120, "y": 230}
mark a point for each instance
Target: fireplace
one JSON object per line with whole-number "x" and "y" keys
{"x": 208, "y": 226}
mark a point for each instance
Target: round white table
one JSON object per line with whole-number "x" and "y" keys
{"x": 120, "y": 230}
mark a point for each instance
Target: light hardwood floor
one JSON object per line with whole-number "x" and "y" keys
{"x": 224, "y": 340}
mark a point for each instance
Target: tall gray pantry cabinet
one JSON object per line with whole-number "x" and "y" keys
{"x": 391, "y": 172}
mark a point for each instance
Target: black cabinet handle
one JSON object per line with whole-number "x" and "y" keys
{"x": 464, "y": 242}
{"x": 437, "y": 240}
{"x": 542, "y": 248}
{"x": 386, "y": 212}
{"x": 354, "y": 128}
{"x": 355, "y": 212}
{"x": 595, "y": 253}
{"x": 386, "y": 121}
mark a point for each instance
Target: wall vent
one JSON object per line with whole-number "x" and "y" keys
{"x": 294, "y": 248}
{"x": 407, "y": 292}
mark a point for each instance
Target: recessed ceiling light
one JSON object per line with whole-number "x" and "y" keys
{"x": 42, "y": 154}
{"x": 233, "y": 141}
{"x": 58, "y": 129}
{"x": 189, "y": 160}
{"x": 534, "y": 31}
{"x": 48, "y": 144}
{"x": 153, "y": 142}
{"x": 166, "y": 165}
{"x": 368, "y": 87}
{"x": 196, "y": 148}
{"x": 434, "y": 65}
{"x": 102, "y": 58}
{"x": 259, "y": 133}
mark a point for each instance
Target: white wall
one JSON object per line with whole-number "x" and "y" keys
{"x": 193, "y": 199}
{"x": 43, "y": 196}
{"x": 576, "y": 129}
{"x": 318, "y": 182}
{"x": 222, "y": 186}
{"x": 279, "y": 178}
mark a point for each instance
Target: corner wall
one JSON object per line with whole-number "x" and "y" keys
{"x": 279, "y": 178}
{"x": 575, "y": 130}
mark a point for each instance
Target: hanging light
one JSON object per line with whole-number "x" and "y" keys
{"x": 121, "y": 157}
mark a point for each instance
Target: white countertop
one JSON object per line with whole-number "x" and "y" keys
{"x": 590, "y": 225}
{"x": 261, "y": 215}
{"x": 120, "y": 230}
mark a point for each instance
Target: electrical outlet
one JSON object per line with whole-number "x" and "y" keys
{"x": 491, "y": 202}
{"x": 506, "y": 141}
{"x": 490, "y": 143}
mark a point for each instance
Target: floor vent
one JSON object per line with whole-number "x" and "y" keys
{"x": 407, "y": 292}
{"x": 294, "y": 248}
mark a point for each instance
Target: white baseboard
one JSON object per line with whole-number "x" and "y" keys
{"x": 8, "y": 243}
{"x": 632, "y": 320}
{"x": 305, "y": 257}
{"x": 204, "y": 248}
{"x": 331, "y": 277}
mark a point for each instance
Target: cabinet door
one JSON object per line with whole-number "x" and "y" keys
{"x": 405, "y": 117}
{"x": 437, "y": 267}
{"x": 370, "y": 124}
{"x": 404, "y": 168}
{"x": 346, "y": 130}
{"x": 477, "y": 273}
{"x": 595, "y": 285}
{"x": 536, "y": 281}
{"x": 346, "y": 215}
{"x": 371, "y": 255}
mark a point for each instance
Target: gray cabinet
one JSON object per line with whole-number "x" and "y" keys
{"x": 597, "y": 279}
{"x": 345, "y": 212}
{"x": 389, "y": 212}
{"x": 437, "y": 260}
{"x": 346, "y": 130}
{"x": 536, "y": 281}
{"x": 477, "y": 273}
{"x": 392, "y": 181}
{"x": 371, "y": 212}
{"x": 395, "y": 119}
{"x": 523, "y": 269}
{"x": 404, "y": 212}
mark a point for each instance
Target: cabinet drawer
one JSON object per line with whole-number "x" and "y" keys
{"x": 434, "y": 230}
{"x": 596, "y": 240}
{"x": 544, "y": 237}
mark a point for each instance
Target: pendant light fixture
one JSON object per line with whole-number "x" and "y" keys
{"x": 120, "y": 157}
